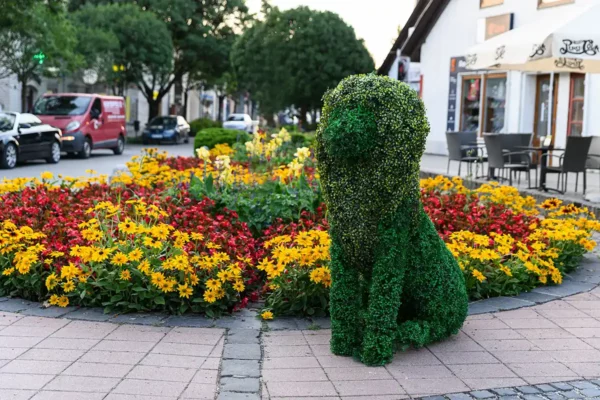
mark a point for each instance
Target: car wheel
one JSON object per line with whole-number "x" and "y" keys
{"x": 86, "y": 150}
{"x": 9, "y": 156}
{"x": 120, "y": 146}
{"x": 54, "y": 154}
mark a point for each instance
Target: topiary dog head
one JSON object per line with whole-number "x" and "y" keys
{"x": 369, "y": 145}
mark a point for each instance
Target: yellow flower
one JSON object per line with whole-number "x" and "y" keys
{"x": 46, "y": 175}
{"x": 144, "y": 267}
{"x": 125, "y": 275}
{"x": 53, "y": 300}
{"x": 478, "y": 275}
{"x": 51, "y": 281}
{"x": 8, "y": 271}
{"x": 69, "y": 272}
{"x": 213, "y": 284}
{"x": 63, "y": 301}
{"x": 128, "y": 227}
{"x": 185, "y": 291}
{"x": 135, "y": 255}
{"x": 209, "y": 296}
{"x": 266, "y": 315}
{"x": 119, "y": 259}
{"x": 68, "y": 286}
{"x": 238, "y": 286}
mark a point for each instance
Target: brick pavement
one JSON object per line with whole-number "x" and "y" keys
{"x": 553, "y": 342}
{"x": 48, "y": 358}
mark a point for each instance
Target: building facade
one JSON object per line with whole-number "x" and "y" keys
{"x": 438, "y": 35}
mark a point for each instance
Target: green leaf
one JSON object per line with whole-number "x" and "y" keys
{"x": 159, "y": 300}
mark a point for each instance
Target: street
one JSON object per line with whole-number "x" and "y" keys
{"x": 101, "y": 161}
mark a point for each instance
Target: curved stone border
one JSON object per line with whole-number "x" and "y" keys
{"x": 553, "y": 391}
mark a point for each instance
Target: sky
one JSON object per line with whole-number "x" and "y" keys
{"x": 375, "y": 21}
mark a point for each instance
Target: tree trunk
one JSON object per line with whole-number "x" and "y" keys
{"x": 302, "y": 118}
{"x": 220, "y": 112}
{"x": 185, "y": 104}
{"x": 313, "y": 115}
{"x": 153, "y": 108}
{"x": 270, "y": 120}
{"x": 23, "y": 81}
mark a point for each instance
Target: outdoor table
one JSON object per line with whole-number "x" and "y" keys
{"x": 476, "y": 145}
{"x": 543, "y": 150}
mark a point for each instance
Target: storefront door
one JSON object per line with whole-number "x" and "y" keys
{"x": 542, "y": 108}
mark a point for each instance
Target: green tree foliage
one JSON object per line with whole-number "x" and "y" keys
{"x": 293, "y": 57}
{"x": 201, "y": 33}
{"x": 394, "y": 282}
{"x": 40, "y": 39}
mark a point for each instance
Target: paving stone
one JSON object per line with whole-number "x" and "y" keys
{"x": 323, "y": 323}
{"x": 149, "y": 388}
{"x": 242, "y": 352}
{"x": 572, "y": 394}
{"x": 282, "y": 324}
{"x": 510, "y": 398}
{"x": 482, "y": 394}
{"x": 240, "y": 368}
{"x": 89, "y": 314}
{"x": 505, "y": 391}
{"x": 562, "y": 386}
{"x": 140, "y": 319}
{"x": 497, "y": 304}
{"x": 16, "y": 305}
{"x": 528, "y": 389}
{"x": 554, "y": 396}
{"x": 459, "y": 396}
{"x": 238, "y": 396}
{"x": 545, "y": 388}
{"x": 49, "y": 312}
{"x": 82, "y": 384}
{"x": 537, "y": 298}
{"x": 243, "y": 336}
{"x": 591, "y": 392}
{"x": 244, "y": 385}
{"x": 193, "y": 322}
{"x": 565, "y": 289}
{"x": 531, "y": 397}
{"x": 583, "y": 385}
{"x": 238, "y": 323}
{"x": 434, "y": 398}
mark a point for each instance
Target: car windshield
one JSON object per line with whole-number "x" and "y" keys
{"x": 164, "y": 121}
{"x": 235, "y": 117}
{"x": 7, "y": 121}
{"x": 61, "y": 105}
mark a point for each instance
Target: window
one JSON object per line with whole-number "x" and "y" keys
{"x": 96, "y": 108}
{"x": 29, "y": 119}
{"x": 495, "y": 101}
{"x": 490, "y": 3}
{"x": 61, "y": 105}
{"x": 552, "y": 3}
{"x": 471, "y": 104}
{"x": 576, "y": 104}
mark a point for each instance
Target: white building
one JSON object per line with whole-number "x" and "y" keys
{"x": 437, "y": 36}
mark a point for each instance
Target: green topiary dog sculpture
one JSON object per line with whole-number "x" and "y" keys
{"x": 394, "y": 281}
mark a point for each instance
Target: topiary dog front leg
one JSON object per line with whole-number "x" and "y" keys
{"x": 385, "y": 298}
{"x": 344, "y": 304}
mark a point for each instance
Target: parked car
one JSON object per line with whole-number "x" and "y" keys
{"x": 24, "y": 137}
{"x": 88, "y": 121}
{"x": 172, "y": 128}
{"x": 240, "y": 122}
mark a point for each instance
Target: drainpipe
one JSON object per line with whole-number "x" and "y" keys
{"x": 586, "y": 105}
{"x": 551, "y": 104}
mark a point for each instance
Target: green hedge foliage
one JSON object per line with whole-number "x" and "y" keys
{"x": 213, "y": 136}
{"x": 202, "y": 123}
{"x": 394, "y": 282}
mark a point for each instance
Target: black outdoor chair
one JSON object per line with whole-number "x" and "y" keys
{"x": 514, "y": 143}
{"x": 462, "y": 147}
{"x": 504, "y": 160}
{"x": 573, "y": 159}
{"x": 593, "y": 161}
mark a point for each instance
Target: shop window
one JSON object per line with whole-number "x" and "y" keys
{"x": 576, "y": 104}
{"x": 552, "y": 3}
{"x": 471, "y": 104}
{"x": 490, "y": 3}
{"x": 494, "y": 96}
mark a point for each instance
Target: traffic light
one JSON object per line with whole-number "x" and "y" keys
{"x": 40, "y": 57}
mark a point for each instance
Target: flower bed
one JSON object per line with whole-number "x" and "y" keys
{"x": 213, "y": 232}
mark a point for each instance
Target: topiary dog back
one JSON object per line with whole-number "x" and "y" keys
{"x": 394, "y": 280}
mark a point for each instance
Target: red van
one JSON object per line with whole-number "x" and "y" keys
{"x": 87, "y": 121}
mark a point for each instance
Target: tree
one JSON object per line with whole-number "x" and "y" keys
{"x": 293, "y": 57}
{"x": 145, "y": 48}
{"x": 200, "y": 31}
{"x": 15, "y": 11}
{"x": 40, "y": 41}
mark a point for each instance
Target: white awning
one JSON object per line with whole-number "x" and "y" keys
{"x": 568, "y": 41}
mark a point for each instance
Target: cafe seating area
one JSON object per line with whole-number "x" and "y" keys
{"x": 522, "y": 160}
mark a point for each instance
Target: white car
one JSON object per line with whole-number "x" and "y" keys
{"x": 239, "y": 122}
{"x": 25, "y": 137}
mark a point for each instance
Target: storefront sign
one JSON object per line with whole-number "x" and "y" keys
{"x": 498, "y": 25}
{"x": 457, "y": 65}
